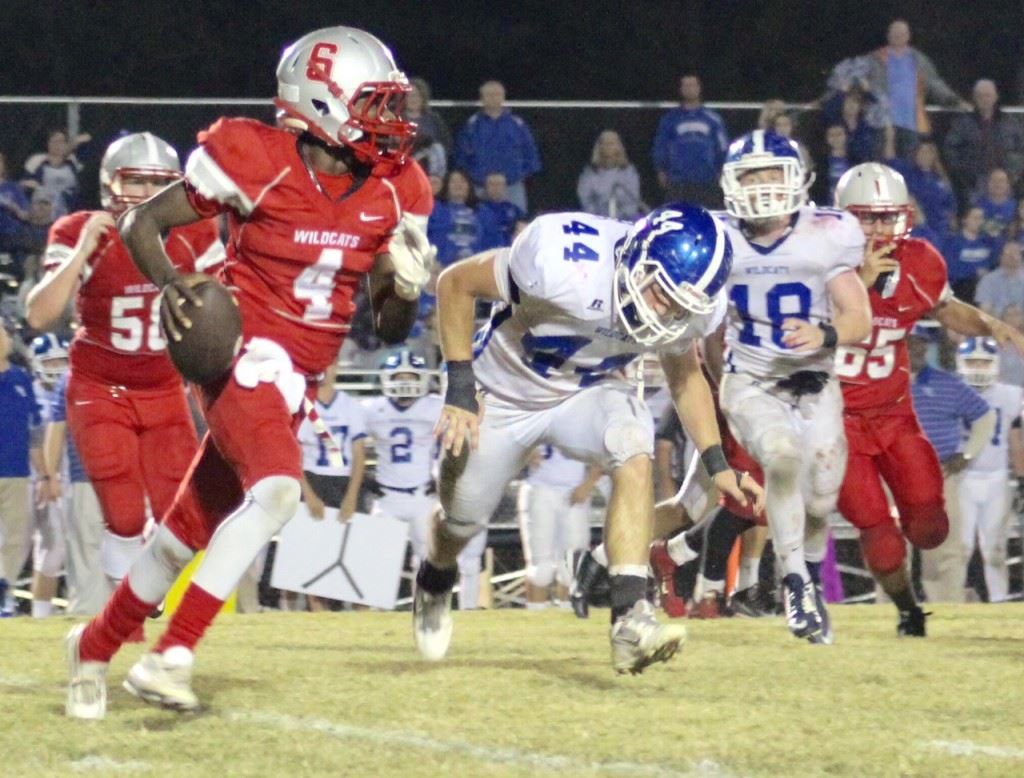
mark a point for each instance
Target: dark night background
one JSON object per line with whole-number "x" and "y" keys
{"x": 554, "y": 50}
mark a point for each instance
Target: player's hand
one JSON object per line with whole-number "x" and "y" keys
{"x": 801, "y": 335}
{"x": 1006, "y": 335}
{"x": 455, "y": 425}
{"x": 93, "y": 230}
{"x": 175, "y": 294}
{"x": 54, "y": 489}
{"x": 954, "y": 464}
{"x": 347, "y": 508}
{"x": 581, "y": 494}
{"x": 877, "y": 260}
{"x": 741, "y": 487}
{"x": 314, "y": 504}
{"x": 412, "y": 257}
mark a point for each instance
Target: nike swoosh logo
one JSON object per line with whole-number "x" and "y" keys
{"x": 365, "y": 217}
{"x": 83, "y": 402}
{"x": 903, "y": 308}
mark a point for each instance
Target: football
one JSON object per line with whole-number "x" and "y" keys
{"x": 208, "y": 348}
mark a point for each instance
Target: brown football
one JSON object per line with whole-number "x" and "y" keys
{"x": 209, "y": 347}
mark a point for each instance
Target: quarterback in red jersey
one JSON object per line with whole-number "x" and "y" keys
{"x": 312, "y": 206}
{"x": 906, "y": 280}
{"x": 126, "y": 403}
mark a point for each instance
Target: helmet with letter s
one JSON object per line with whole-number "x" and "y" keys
{"x": 875, "y": 192}
{"x": 977, "y": 361}
{"x": 49, "y": 356}
{"x": 763, "y": 197}
{"x": 404, "y": 375}
{"x": 680, "y": 254}
{"x": 131, "y": 161}
{"x": 342, "y": 85}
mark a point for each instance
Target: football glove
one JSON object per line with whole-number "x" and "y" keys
{"x": 412, "y": 256}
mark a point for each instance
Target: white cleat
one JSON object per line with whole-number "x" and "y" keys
{"x": 432, "y": 623}
{"x": 638, "y": 640}
{"x": 164, "y": 680}
{"x": 87, "y": 681}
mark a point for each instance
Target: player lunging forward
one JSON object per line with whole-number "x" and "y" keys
{"x": 795, "y": 296}
{"x": 580, "y": 299}
{"x": 312, "y": 209}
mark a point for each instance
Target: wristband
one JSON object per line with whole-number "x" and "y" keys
{"x": 713, "y": 458}
{"x": 461, "y": 391}
{"x": 831, "y": 336}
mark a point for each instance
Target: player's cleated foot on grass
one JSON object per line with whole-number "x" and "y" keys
{"x": 164, "y": 680}
{"x": 664, "y": 568}
{"x": 826, "y": 637}
{"x": 432, "y": 623}
{"x": 801, "y": 615}
{"x": 912, "y": 623}
{"x": 749, "y": 602}
{"x": 587, "y": 571}
{"x": 87, "y": 681}
{"x": 638, "y": 640}
{"x": 711, "y": 606}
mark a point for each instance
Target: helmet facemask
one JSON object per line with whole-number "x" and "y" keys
{"x": 639, "y": 319}
{"x": 115, "y": 197}
{"x": 900, "y": 217}
{"x": 764, "y": 200}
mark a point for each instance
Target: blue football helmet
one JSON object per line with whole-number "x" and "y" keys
{"x": 977, "y": 361}
{"x": 686, "y": 253}
{"x": 49, "y": 354}
{"x": 404, "y": 375}
{"x": 761, "y": 150}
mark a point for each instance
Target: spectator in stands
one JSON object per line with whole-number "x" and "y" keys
{"x": 946, "y": 406}
{"x": 927, "y": 181}
{"x": 456, "y": 226}
{"x": 969, "y": 255}
{"x": 863, "y": 140}
{"x": 20, "y": 440}
{"x": 921, "y": 228}
{"x": 496, "y": 208}
{"x": 783, "y": 124}
{"x": 983, "y": 140}
{"x": 837, "y": 161}
{"x": 610, "y": 184}
{"x": 998, "y": 204}
{"x": 1011, "y": 364}
{"x": 431, "y": 156}
{"x": 770, "y": 109}
{"x": 56, "y": 171}
{"x": 689, "y": 149}
{"x": 1016, "y": 229}
{"x": 428, "y": 123}
{"x": 493, "y": 139}
{"x": 13, "y": 210}
{"x": 1004, "y": 286}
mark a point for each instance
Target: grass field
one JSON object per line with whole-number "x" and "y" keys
{"x": 525, "y": 694}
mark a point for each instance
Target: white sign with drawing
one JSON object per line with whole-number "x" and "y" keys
{"x": 356, "y": 561}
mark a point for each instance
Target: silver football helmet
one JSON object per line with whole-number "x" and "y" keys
{"x": 977, "y": 361}
{"x": 875, "y": 191}
{"x": 140, "y": 155}
{"x": 343, "y": 86}
{"x": 404, "y": 375}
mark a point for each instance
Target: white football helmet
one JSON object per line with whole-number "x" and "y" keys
{"x": 49, "y": 358}
{"x": 404, "y": 375}
{"x": 761, "y": 150}
{"x": 342, "y": 85}
{"x": 977, "y": 361}
{"x": 873, "y": 188}
{"x": 138, "y": 155}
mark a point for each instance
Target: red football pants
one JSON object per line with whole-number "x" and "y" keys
{"x": 895, "y": 449}
{"x": 251, "y": 437}
{"x": 134, "y": 444}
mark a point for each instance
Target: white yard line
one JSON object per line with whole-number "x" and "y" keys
{"x": 483, "y": 753}
{"x": 106, "y": 765}
{"x": 969, "y": 748}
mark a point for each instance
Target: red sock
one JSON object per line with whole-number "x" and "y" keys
{"x": 122, "y": 616}
{"x": 196, "y": 612}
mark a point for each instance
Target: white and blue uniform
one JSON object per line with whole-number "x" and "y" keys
{"x": 346, "y": 420}
{"x": 48, "y": 545}
{"x": 984, "y": 492}
{"x": 790, "y": 434}
{"x": 554, "y": 364}
{"x": 550, "y": 524}
{"x": 406, "y": 452}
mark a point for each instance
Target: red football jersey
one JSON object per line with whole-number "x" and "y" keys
{"x": 875, "y": 374}
{"x": 119, "y": 341}
{"x": 300, "y": 241}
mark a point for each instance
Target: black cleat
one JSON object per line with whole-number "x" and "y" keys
{"x": 749, "y": 602}
{"x": 912, "y": 623}
{"x": 587, "y": 572}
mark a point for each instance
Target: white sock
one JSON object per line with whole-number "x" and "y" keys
{"x": 748, "y": 573}
{"x": 786, "y": 518}
{"x": 638, "y": 570}
{"x": 680, "y": 550}
{"x": 469, "y": 591}
{"x": 705, "y": 586}
{"x": 600, "y": 555}
{"x": 41, "y": 609}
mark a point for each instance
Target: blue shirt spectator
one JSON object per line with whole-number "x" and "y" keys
{"x": 944, "y": 405}
{"x": 496, "y": 208}
{"x": 456, "y": 226}
{"x": 1004, "y": 286}
{"x": 928, "y": 183}
{"x": 968, "y": 253}
{"x": 997, "y": 204}
{"x": 495, "y": 140}
{"x": 19, "y": 415}
{"x": 690, "y": 143}
{"x": 59, "y": 413}
{"x": 13, "y": 208}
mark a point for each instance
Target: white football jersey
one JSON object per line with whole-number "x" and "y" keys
{"x": 556, "y": 471}
{"x": 1006, "y": 400}
{"x": 346, "y": 420}
{"x": 44, "y": 399}
{"x": 555, "y": 330}
{"x": 404, "y": 439}
{"x": 769, "y": 284}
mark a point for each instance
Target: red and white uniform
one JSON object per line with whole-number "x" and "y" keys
{"x": 126, "y": 402}
{"x": 300, "y": 242}
{"x": 884, "y": 437}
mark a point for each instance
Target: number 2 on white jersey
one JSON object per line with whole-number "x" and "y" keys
{"x": 877, "y": 360}
{"x": 315, "y": 284}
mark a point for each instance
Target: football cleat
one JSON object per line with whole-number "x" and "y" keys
{"x": 749, "y": 602}
{"x": 588, "y": 570}
{"x": 164, "y": 680}
{"x": 826, "y": 637}
{"x": 801, "y": 615}
{"x": 664, "y": 568}
{"x": 432, "y": 623}
{"x": 638, "y": 640}
{"x": 711, "y": 606}
{"x": 912, "y": 623}
{"x": 87, "y": 681}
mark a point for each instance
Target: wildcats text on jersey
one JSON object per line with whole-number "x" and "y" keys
{"x": 342, "y": 240}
